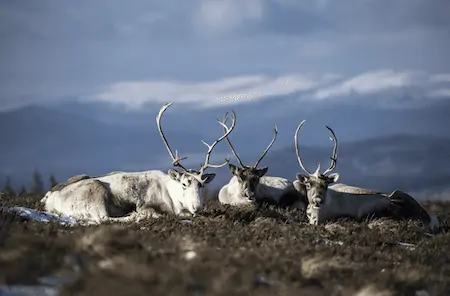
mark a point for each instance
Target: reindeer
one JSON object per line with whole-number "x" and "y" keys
{"x": 143, "y": 194}
{"x": 249, "y": 184}
{"x": 327, "y": 202}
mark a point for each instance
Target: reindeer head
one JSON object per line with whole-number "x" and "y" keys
{"x": 248, "y": 176}
{"x": 316, "y": 184}
{"x": 192, "y": 181}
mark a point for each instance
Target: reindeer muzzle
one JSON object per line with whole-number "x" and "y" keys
{"x": 250, "y": 195}
{"x": 317, "y": 202}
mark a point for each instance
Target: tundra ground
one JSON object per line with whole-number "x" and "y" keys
{"x": 226, "y": 251}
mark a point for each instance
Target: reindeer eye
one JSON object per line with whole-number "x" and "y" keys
{"x": 308, "y": 186}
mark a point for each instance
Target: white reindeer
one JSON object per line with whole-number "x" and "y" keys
{"x": 250, "y": 185}
{"x": 144, "y": 194}
{"x": 327, "y": 202}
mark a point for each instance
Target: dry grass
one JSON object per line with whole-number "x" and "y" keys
{"x": 226, "y": 251}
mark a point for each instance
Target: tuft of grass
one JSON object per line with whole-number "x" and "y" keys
{"x": 230, "y": 251}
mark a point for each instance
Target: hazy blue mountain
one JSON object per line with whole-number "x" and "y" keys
{"x": 64, "y": 144}
{"x": 405, "y": 162}
{"x": 350, "y": 121}
{"x": 379, "y": 148}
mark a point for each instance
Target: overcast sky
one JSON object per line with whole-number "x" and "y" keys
{"x": 220, "y": 51}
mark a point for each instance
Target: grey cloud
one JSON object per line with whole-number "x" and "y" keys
{"x": 353, "y": 16}
{"x": 103, "y": 20}
{"x": 51, "y": 20}
{"x": 415, "y": 13}
{"x": 57, "y": 49}
{"x": 293, "y": 19}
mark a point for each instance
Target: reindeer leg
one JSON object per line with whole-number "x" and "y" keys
{"x": 136, "y": 217}
{"x": 125, "y": 219}
{"x": 185, "y": 215}
{"x": 147, "y": 213}
{"x": 144, "y": 212}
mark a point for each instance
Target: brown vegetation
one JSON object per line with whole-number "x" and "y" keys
{"x": 226, "y": 251}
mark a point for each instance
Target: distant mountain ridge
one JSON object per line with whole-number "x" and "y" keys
{"x": 79, "y": 138}
{"x": 65, "y": 144}
{"x": 405, "y": 162}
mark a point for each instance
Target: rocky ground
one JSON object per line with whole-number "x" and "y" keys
{"x": 226, "y": 251}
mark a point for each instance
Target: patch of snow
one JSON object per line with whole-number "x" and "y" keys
{"x": 22, "y": 290}
{"x": 42, "y": 216}
{"x": 407, "y": 245}
{"x": 55, "y": 280}
{"x": 32, "y": 214}
{"x": 48, "y": 286}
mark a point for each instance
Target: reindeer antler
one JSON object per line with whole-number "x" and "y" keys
{"x": 263, "y": 154}
{"x": 225, "y": 119}
{"x": 275, "y": 132}
{"x": 175, "y": 158}
{"x": 227, "y": 131}
{"x": 334, "y": 156}
{"x": 297, "y": 152}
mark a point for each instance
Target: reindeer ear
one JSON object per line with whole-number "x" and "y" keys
{"x": 208, "y": 177}
{"x": 174, "y": 174}
{"x": 332, "y": 178}
{"x": 234, "y": 169}
{"x": 261, "y": 172}
{"x": 303, "y": 179}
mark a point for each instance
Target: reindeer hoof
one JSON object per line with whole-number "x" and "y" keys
{"x": 185, "y": 215}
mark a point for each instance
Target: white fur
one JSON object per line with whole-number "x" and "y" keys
{"x": 252, "y": 185}
{"x": 87, "y": 199}
{"x": 326, "y": 202}
{"x": 114, "y": 195}
{"x": 355, "y": 202}
{"x": 273, "y": 188}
